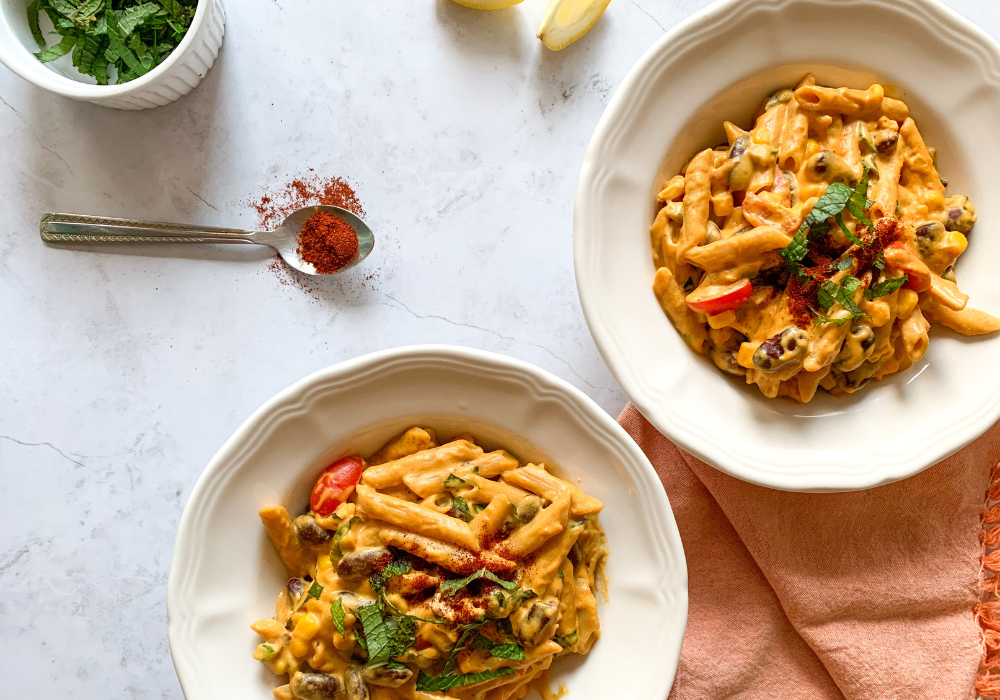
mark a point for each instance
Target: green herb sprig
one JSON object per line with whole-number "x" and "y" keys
{"x": 451, "y": 587}
{"x": 129, "y": 36}
{"x": 432, "y": 684}
{"x": 831, "y": 205}
{"x": 885, "y": 287}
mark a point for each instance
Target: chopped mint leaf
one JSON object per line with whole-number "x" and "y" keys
{"x": 36, "y": 33}
{"x": 879, "y": 262}
{"x": 843, "y": 264}
{"x": 315, "y": 591}
{"x": 826, "y": 319}
{"x": 376, "y": 634}
{"x": 459, "y": 644}
{"x": 431, "y": 684}
{"x": 340, "y": 534}
{"x": 462, "y": 506}
{"x": 795, "y": 252}
{"x": 67, "y": 44}
{"x": 831, "y": 203}
{"x": 455, "y": 482}
{"x": 839, "y": 218}
{"x": 508, "y": 651}
{"x": 451, "y": 587}
{"x": 396, "y": 567}
{"x": 830, "y": 292}
{"x": 338, "y": 614}
{"x": 858, "y": 202}
{"x": 850, "y": 284}
{"x": 826, "y": 295}
{"x": 885, "y": 287}
{"x": 499, "y": 651}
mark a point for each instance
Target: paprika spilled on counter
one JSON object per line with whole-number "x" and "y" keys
{"x": 328, "y": 242}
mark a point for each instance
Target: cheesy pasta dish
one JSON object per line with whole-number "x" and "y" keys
{"x": 816, "y": 249}
{"x": 432, "y": 571}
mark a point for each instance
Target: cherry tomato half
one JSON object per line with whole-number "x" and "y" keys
{"x": 715, "y": 300}
{"x": 336, "y": 484}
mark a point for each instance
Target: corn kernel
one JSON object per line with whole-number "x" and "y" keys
{"x": 726, "y": 318}
{"x": 324, "y": 563}
{"x": 954, "y": 244}
{"x": 935, "y": 199}
{"x": 812, "y": 148}
{"x": 280, "y": 666}
{"x": 298, "y": 647}
{"x": 761, "y": 135}
{"x": 306, "y": 628}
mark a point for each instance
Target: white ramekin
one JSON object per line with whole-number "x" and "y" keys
{"x": 178, "y": 75}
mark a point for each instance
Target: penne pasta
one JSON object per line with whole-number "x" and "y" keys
{"x": 443, "y": 540}
{"x": 549, "y": 522}
{"x": 436, "y": 459}
{"x": 536, "y": 480}
{"x": 416, "y": 518}
{"x": 798, "y": 255}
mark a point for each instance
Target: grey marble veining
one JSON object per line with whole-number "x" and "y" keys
{"x": 122, "y": 374}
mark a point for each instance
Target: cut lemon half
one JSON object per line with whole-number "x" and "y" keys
{"x": 565, "y": 21}
{"x": 487, "y": 4}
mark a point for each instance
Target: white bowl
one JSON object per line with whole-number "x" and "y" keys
{"x": 178, "y": 75}
{"x": 225, "y": 575}
{"x": 718, "y": 65}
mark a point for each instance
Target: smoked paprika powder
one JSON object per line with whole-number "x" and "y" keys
{"x": 328, "y": 242}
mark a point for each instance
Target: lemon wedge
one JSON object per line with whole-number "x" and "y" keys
{"x": 488, "y": 4}
{"x": 565, "y": 21}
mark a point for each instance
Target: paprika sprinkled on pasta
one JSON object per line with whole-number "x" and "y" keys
{"x": 328, "y": 242}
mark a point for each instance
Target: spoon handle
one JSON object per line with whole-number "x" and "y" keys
{"x": 70, "y": 228}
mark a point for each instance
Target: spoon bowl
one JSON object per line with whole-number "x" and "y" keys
{"x": 285, "y": 238}
{"x": 72, "y": 229}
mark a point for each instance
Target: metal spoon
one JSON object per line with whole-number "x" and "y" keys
{"x": 74, "y": 230}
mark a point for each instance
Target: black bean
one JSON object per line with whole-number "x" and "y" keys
{"x": 363, "y": 562}
{"x": 885, "y": 141}
{"x": 739, "y": 147}
{"x": 386, "y": 677}
{"x": 781, "y": 349}
{"x": 356, "y": 688}
{"x": 296, "y": 587}
{"x": 310, "y": 531}
{"x": 317, "y": 686}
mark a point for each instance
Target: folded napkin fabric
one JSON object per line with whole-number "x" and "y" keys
{"x": 884, "y": 593}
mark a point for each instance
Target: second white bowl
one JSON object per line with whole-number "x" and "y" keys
{"x": 718, "y": 65}
{"x": 225, "y": 575}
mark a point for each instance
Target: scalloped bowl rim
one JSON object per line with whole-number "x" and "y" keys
{"x": 671, "y": 49}
{"x": 351, "y": 374}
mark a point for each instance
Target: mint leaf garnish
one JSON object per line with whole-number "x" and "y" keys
{"x": 315, "y": 591}
{"x": 431, "y": 684}
{"x": 462, "y": 506}
{"x": 450, "y": 588}
{"x": 396, "y": 567}
{"x": 885, "y": 287}
{"x": 338, "y": 614}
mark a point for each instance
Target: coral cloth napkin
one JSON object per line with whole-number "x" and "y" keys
{"x": 862, "y": 595}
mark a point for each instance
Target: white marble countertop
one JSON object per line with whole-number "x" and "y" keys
{"x": 122, "y": 374}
